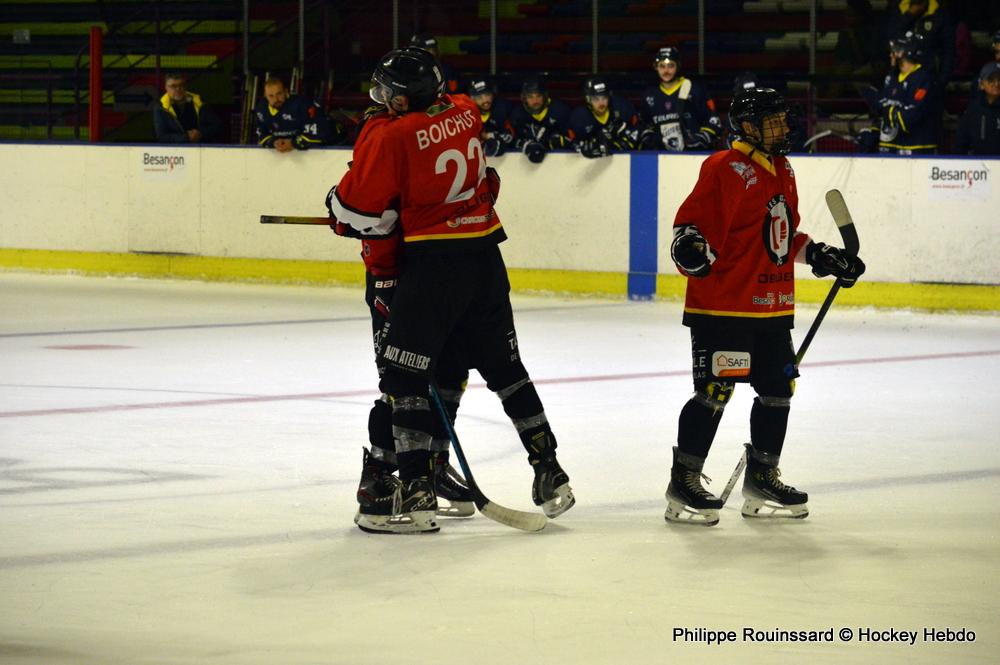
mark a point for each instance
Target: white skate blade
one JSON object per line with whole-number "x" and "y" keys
{"x": 759, "y": 508}
{"x": 560, "y": 503}
{"x": 421, "y": 521}
{"x": 679, "y": 513}
{"x": 455, "y": 508}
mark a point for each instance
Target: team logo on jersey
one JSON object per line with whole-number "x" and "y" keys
{"x": 746, "y": 171}
{"x": 777, "y": 230}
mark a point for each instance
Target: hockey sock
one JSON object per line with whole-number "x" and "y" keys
{"x": 696, "y": 428}
{"x": 768, "y": 423}
{"x": 383, "y": 451}
{"x": 415, "y": 464}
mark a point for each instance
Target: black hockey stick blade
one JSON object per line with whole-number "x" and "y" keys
{"x": 289, "y": 219}
{"x": 517, "y": 519}
{"x": 845, "y": 223}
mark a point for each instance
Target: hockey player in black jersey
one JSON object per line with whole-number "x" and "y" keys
{"x": 906, "y": 105}
{"x": 540, "y": 123}
{"x": 678, "y": 112}
{"x": 289, "y": 122}
{"x": 497, "y": 136}
{"x": 606, "y": 124}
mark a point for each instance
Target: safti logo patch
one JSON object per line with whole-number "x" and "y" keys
{"x": 730, "y": 363}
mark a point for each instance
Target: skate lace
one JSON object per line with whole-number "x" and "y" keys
{"x": 773, "y": 477}
{"x": 692, "y": 480}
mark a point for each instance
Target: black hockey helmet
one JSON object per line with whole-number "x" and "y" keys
{"x": 596, "y": 86}
{"x": 534, "y": 84}
{"x": 910, "y": 46}
{"x": 481, "y": 86}
{"x": 426, "y": 42}
{"x": 670, "y": 53}
{"x": 753, "y": 105}
{"x": 411, "y": 72}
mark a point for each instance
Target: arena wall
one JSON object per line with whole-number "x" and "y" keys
{"x": 575, "y": 225}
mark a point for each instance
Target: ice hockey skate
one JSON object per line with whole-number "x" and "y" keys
{"x": 551, "y": 489}
{"x": 688, "y": 502}
{"x": 765, "y": 495}
{"x": 450, "y": 486}
{"x": 377, "y": 494}
{"x": 414, "y": 510}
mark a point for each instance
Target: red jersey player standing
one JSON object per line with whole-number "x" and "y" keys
{"x": 425, "y": 173}
{"x": 736, "y": 237}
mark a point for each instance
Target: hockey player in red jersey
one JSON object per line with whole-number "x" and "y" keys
{"x": 736, "y": 237}
{"x": 376, "y": 493}
{"x": 425, "y": 174}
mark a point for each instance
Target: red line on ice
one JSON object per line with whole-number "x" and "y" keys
{"x": 254, "y": 399}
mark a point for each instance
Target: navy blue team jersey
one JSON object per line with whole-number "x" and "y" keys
{"x": 683, "y": 115}
{"x": 298, "y": 119}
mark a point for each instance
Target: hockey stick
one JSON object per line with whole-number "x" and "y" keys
{"x": 842, "y": 216}
{"x": 517, "y": 519}
{"x": 845, "y": 224}
{"x": 285, "y": 219}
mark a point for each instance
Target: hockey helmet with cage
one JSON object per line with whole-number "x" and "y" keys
{"x": 753, "y": 105}
{"x": 910, "y": 46}
{"x": 411, "y": 72}
{"x": 668, "y": 53}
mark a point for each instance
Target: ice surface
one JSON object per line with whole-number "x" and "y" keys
{"x": 178, "y": 463}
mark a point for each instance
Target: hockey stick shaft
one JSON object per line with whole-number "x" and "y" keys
{"x": 845, "y": 224}
{"x": 289, "y": 219}
{"x": 733, "y": 478}
{"x": 508, "y": 516}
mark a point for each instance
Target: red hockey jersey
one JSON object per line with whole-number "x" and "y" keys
{"x": 746, "y": 206}
{"x": 426, "y": 172}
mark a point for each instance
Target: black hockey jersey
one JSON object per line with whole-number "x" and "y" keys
{"x": 683, "y": 115}
{"x": 298, "y": 119}
{"x": 497, "y": 135}
{"x": 906, "y": 105}
{"x": 617, "y": 129}
{"x": 550, "y": 127}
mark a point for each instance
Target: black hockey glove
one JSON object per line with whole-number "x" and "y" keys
{"x": 535, "y": 151}
{"x": 700, "y": 140}
{"x": 649, "y": 139}
{"x": 623, "y": 137}
{"x": 827, "y": 260}
{"x": 492, "y": 147}
{"x": 593, "y": 148}
{"x": 691, "y": 252}
{"x": 868, "y": 140}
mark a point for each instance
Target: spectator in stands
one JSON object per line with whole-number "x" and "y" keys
{"x": 930, "y": 19}
{"x": 979, "y": 129}
{"x": 497, "y": 135}
{"x": 182, "y": 116}
{"x": 987, "y": 68}
{"x": 906, "y": 106}
{"x": 678, "y": 110}
{"x": 430, "y": 44}
{"x": 540, "y": 123}
{"x": 606, "y": 123}
{"x": 288, "y": 122}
